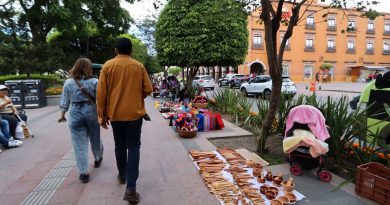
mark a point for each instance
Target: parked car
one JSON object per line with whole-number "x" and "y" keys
{"x": 262, "y": 85}
{"x": 204, "y": 81}
{"x": 231, "y": 80}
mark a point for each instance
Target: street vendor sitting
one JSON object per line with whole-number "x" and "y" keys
{"x": 184, "y": 95}
{"x": 164, "y": 89}
{"x": 201, "y": 92}
{"x": 184, "y": 107}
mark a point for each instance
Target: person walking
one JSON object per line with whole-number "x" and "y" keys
{"x": 123, "y": 86}
{"x": 79, "y": 94}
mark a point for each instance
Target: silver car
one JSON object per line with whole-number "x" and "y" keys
{"x": 262, "y": 85}
{"x": 204, "y": 81}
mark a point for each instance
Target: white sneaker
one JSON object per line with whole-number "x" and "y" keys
{"x": 14, "y": 143}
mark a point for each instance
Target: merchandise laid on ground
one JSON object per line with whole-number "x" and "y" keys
{"x": 235, "y": 180}
{"x": 190, "y": 117}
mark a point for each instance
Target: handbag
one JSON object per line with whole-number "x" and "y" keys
{"x": 91, "y": 99}
{"x": 23, "y": 130}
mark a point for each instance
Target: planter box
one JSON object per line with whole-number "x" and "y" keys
{"x": 53, "y": 100}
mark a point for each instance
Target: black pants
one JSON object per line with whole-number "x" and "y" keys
{"x": 127, "y": 137}
{"x": 13, "y": 121}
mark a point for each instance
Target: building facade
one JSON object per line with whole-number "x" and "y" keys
{"x": 340, "y": 38}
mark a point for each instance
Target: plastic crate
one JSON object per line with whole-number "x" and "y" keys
{"x": 373, "y": 182}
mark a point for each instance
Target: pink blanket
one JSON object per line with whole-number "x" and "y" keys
{"x": 306, "y": 114}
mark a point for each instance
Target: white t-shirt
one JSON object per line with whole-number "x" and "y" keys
{"x": 7, "y": 108}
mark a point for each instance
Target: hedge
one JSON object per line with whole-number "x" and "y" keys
{"x": 49, "y": 80}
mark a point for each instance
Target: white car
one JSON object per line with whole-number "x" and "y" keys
{"x": 262, "y": 85}
{"x": 204, "y": 81}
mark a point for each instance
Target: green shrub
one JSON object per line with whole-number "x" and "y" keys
{"x": 49, "y": 80}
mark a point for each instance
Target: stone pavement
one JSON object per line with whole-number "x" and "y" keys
{"x": 42, "y": 170}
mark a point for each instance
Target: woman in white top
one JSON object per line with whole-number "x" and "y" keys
{"x": 8, "y": 111}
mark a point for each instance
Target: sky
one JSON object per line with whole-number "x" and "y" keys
{"x": 140, "y": 10}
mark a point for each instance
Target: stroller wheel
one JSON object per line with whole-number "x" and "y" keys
{"x": 295, "y": 169}
{"x": 325, "y": 176}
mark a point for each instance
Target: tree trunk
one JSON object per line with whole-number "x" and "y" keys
{"x": 275, "y": 59}
{"x": 183, "y": 75}
{"x": 219, "y": 72}
{"x": 208, "y": 70}
{"x": 191, "y": 75}
{"x": 214, "y": 73}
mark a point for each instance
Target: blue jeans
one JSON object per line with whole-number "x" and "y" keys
{"x": 84, "y": 127}
{"x": 4, "y": 132}
{"x": 127, "y": 137}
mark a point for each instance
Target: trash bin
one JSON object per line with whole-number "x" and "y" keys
{"x": 34, "y": 94}
{"x": 27, "y": 93}
{"x": 15, "y": 92}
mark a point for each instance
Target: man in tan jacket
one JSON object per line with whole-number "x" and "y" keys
{"x": 123, "y": 86}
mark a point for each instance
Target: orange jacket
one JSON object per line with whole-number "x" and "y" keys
{"x": 122, "y": 87}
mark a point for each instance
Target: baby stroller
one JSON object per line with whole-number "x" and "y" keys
{"x": 304, "y": 140}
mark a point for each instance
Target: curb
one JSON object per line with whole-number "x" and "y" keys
{"x": 342, "y": 91}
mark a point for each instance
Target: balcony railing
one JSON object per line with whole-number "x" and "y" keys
{"x": 309, "y": 49}
{"x": 386, "y": 33}
{"x": 370, "y": 51}
{"x": 351, "y": 29}
{"x": 310, "y": 26}
{"x": 351, "y": 50}
{"x": 331, "y": 28}
{"x": 331, "y": 50}
{"x": 258, "y": 46}
{"x": 370, "y": 31}
{"x": 386, "y": 52}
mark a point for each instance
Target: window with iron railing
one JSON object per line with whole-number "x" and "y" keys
{"x": 386, "y": 49}
{"x": 257, "y": 41}
{"x": 309, "y": 44}
{"x": 370, "y": 48}
{"x": 331, "y": 24}
{"x": 351, "y": 26}
{"x": 370, "y": 28}
{"x": 387, "y": 29}
{"x": 351, "y": 46}
{"x": 331, "y": 46}
{"x": 310, "y": 24}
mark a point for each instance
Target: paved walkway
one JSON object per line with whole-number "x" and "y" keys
{"x": 42, "y": 170}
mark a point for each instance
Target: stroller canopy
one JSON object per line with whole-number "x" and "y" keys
{"x": 310, "y": 116}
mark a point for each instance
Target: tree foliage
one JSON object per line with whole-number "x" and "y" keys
{"x": 193, "y": 33}
{"x": 80, "y": 26}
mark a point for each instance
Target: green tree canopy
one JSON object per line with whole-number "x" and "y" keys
{"x": 84, "y": 27}
{"x": 202, "y": 33}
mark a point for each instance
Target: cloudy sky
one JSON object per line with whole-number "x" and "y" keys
{"x": 144, "y": 8}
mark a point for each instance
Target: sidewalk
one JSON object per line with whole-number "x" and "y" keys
{"x": 343, "y": 87}
{"x": 42, "y": 171}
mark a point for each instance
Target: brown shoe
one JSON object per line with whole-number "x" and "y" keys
{"x": 131, "y": 196}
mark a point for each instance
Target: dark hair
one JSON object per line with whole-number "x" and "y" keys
{"x": 82, "y": 68}
{"x": 124, "y": 46}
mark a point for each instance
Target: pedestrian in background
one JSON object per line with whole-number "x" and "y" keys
{"x": 325, "y": 78}
{"x": 123, "y": 86}
{"x": 318, "y": 76}
{"x": 79, "y": 94}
